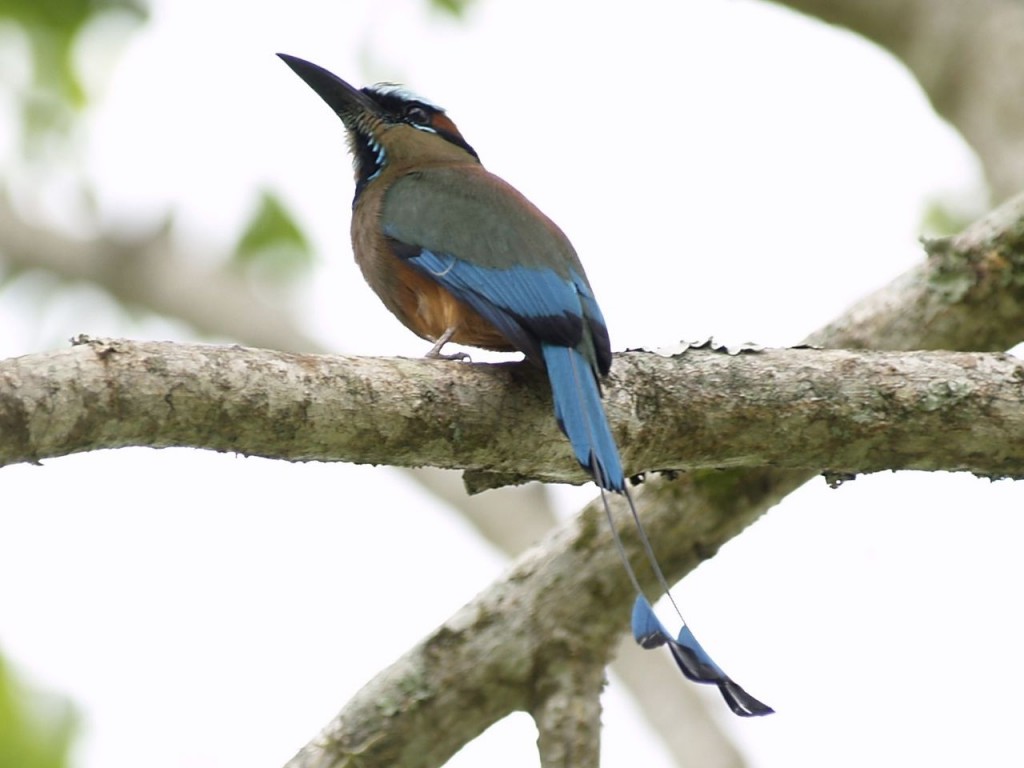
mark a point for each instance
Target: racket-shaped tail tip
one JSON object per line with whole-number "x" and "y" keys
{"x": 741, "y": 702}
{"x": 692, "y": 660}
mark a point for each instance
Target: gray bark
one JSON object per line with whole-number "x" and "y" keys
{"x": 839, "y": 411}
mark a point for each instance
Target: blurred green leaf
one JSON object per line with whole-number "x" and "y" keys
{"x": 36, "y": 728}
{"x": 52, "y": 27}
{"x": 273, "y": 242}
{"x": 942, "y": 218}
{"x": 456, "y": 8}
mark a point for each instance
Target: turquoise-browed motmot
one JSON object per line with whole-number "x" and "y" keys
{"x": 458, "y": 255}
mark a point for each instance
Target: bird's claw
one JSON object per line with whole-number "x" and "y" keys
{"x": 436, "y": 354}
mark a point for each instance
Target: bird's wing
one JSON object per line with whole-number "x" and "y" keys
{"x": 493, "y": 249}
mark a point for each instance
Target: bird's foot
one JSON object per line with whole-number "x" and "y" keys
{"x": 435, "y": 351}
{"x": 436, "y": 354}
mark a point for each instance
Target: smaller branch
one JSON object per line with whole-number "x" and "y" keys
{"x": 836, "y": 410}
{"x": 513, "y": 519}
{"x": 536, "y": 639}
{"x": 568, "y": 713}
{"x": 677, "y": 712}
{"x": 505, "y": 651}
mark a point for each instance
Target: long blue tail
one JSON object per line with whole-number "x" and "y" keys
{"x": 581, "y": 417}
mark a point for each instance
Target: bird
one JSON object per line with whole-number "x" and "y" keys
{"x": 460, "y": 256}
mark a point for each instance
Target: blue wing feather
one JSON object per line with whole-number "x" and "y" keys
{"x": 520, "y": 291}
{"x": 530, "y": 305}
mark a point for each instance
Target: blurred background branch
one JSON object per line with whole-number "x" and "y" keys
{"x": 968, "y": 59}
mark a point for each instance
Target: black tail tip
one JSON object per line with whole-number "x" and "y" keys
{"x": 741, "y": 702}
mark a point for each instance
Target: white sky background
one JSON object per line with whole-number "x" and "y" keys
{"x": 723, "y": 168}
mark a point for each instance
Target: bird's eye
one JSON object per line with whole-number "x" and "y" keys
{"x": 414, "y": 113}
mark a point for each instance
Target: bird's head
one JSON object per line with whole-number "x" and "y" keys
{"x": 386, "y": 124}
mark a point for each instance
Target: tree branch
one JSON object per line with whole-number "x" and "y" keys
{"x": 568, "y": 712}
{"x": 691, "y": 729}
{"x": 514, "y": 518}
{"x": 566, "y": 599}
{"x": 810, "y": 409}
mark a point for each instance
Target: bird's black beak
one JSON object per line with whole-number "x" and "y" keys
{"x": 349, "y": 103}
